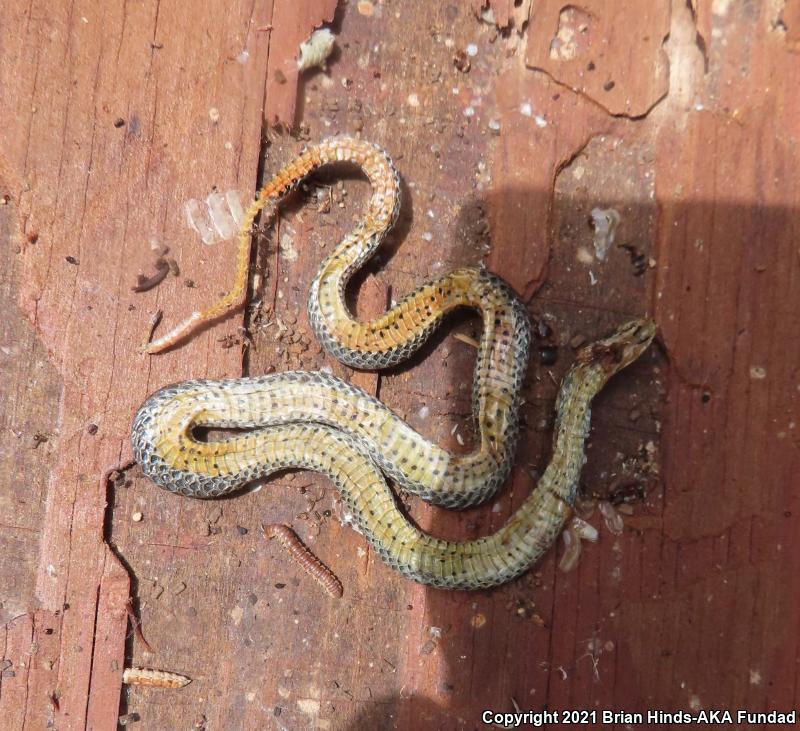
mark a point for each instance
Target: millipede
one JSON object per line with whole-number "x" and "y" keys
{"x": 303, "y": 555}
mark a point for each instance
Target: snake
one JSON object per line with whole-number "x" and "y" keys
{"x": 315, "y": 421}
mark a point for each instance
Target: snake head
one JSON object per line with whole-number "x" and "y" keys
{"x": 622, "y": 348}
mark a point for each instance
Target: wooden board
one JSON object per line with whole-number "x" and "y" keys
{"x": 117, "y": 114}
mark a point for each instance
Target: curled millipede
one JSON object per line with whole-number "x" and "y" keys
{"x": 154, "y": 678}
{"x": 303, "y": 555}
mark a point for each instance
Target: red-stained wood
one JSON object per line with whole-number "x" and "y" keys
{"x": 612, "y": 52}
{"x": 692, "y": 607}
{"x": 114, "y": 115}
{"x": 291, "y": 23}
{"x": 499, "y": 11}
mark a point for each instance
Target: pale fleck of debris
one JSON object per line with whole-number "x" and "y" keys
{"x": 694, "y": 703}
{"x": 611, "y": 517}
{"x": 327, "y": 369}
{"x": 720, "y": 7}
{"x": 525, "y": 109}
{"x": 366, "y": 8}
{"x": 413, "y": 100}
{"x": 497, "y": 507}
{"x": 584, "y": 256}
{"x": 578, "y": 171}
{"x": 197, "y": 218}
{"x": 430, "y": 214}
{"x": 469, "y": 112}
{"x": 424, "y": 412}
{"x": 604, "y": 222}
{"x": 315, "y": 51}
{"x": 287, "y": 250}
{"x": 494, "y": 125}
{"x": 309, "y": 706}
{"x": 584, "y": 530}
{"x": 236, "y": 615}
{"x": 136, "y": 517}
{"x": 243, "y": 57}
{"x": 283, "y": 692}
{"x": 478, "y": 620}
{"x": 459, "y": 439}
{"x": 758, "y": 373}
{"x": 228, "y": 145}
{"x": 435, "y": 632}
{"x": 466, "y": 339}
{"x": 158, "y": 247}
{"x": 755, "y": 677}
{"x": 222, "y": 216}
{"x": 213, "y": 114}
{"x": 427, "y": 236}
{"x": 250, "y": 697}
{"x": 472, "y": 50}
{"x": 540, "y": 121}
{"x": 592, "y": 278}
{"x": 564, "y": 46}
{"x": 361, "y": 552}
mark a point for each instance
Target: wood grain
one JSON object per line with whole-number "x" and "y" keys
{"x": 609, "y": 51}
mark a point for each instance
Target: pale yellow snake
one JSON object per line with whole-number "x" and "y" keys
{"x": 318, "y": 422}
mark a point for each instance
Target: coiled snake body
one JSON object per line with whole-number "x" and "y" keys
{"x": 318, "y": 422}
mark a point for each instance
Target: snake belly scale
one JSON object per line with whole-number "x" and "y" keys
{"x": 316, "y": 421}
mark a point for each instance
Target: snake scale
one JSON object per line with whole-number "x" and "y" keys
{"x": 315, "y": 421}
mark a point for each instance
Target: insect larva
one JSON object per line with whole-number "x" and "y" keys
{"x": 315, "y": 50}
{"x": 302, "y": 554}
{"x": 154, "y": 678}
